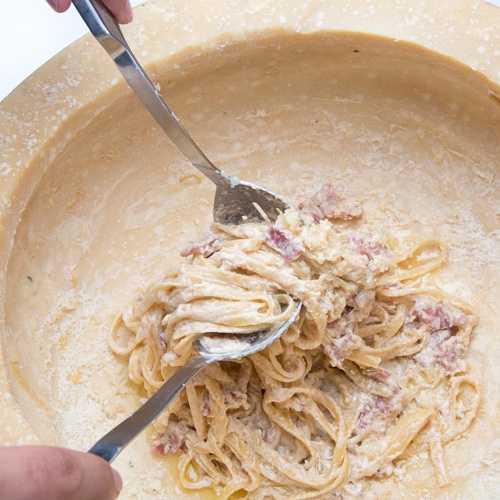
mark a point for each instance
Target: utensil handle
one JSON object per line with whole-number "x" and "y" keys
{"x": 110, "y": 446}
{"x": 107, "y": 32}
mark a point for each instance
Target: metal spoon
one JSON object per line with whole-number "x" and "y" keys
{"x": 210, "y": 349}
{"x": 234, "y": 199}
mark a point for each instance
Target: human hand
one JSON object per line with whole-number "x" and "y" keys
{"x": 45, "y": 473}
{"x": 120, "y": 8}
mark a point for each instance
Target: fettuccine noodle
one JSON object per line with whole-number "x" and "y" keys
{"x": 373, "y": 371}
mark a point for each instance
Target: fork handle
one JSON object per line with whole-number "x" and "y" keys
{"x": 107, "y": 32}
{"x": 110, "y": 446}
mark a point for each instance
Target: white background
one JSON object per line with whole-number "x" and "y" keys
{"x": 30, "y": 34}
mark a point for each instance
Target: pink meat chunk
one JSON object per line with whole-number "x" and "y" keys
{"x": 442, "y": 349}
{"x": 369, "y": 248}
{"x": 159, "y": 449}
{"x": 284, "y": 243}
{"x": 448, "y": 354}
{"x": 327, "y": 204}
{"x": 376, "y": 408}
{"x": 173, "y": 440}
{"x": 205, "y": 407}
{"x": 436, "y": 314}
{"x": 339, "y": 348}
{"x": 205, "y": 248}
{"x": 378, "y": 374}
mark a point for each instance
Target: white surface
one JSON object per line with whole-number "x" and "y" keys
{"x": 30, "y": 34}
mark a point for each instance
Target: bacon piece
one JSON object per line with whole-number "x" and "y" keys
{"x": 159, "y": 449}
{"x": 205, "y": 407}
{"x": 436, "y": 314}
{"x": 376, "y": 408}
{"x": 442, "y": 349}
{"x": 366, "y": 247}
{"x": 448, "y": 354}
{"x": 383, "y": 405}
{"x": 339, "y": 348}
{"x": 173, "y": 440}
{"x": 378, "y": 374}
{"x": 174, "y": 443}
{"x": 163, "y": 340}
{"x": 327, "y": 204}
{"x": 284, "y": 243}
{"x": 205, "y": 248}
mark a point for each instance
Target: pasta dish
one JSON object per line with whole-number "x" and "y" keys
{"x": 373, "y": 372}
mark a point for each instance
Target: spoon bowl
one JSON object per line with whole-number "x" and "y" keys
{"x": 230, "y": 347}
{"x": 210, "y": 349}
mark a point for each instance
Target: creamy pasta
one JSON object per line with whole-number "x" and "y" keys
{"x": 373, "y": 371}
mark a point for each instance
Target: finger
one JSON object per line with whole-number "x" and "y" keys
{"x": 59, "y": 5}
{"x": 45, "y": 473}
{"x": 121, "y": 10}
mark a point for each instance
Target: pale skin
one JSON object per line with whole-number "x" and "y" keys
{"x": 46, "y": 473}
{"x": 120, "y": 8}
{"x": 49, "y": 473}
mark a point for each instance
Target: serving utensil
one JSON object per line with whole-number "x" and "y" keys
{"x": 209, "y": 349}
{"x": 235, "y": 202}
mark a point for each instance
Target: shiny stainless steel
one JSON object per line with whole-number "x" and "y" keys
{"x": 210, "y": 350}
{"x": 234, "y": 203}
{"x": 234, "y": 199}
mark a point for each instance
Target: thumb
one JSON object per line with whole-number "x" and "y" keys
{"x": 46, "y": 473}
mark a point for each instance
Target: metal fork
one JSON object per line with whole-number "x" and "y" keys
{"x": 235, "y": 200}
{"x": 234, "y": 203}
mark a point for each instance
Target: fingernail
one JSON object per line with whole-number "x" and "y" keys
{"x": 118, "y": 481}
{"x": 56, "y": 5}
{"x": 127, "y": 14}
